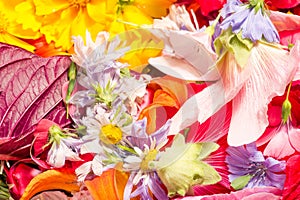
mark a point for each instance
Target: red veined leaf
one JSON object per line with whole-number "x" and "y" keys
{"x": 30, "y": 89}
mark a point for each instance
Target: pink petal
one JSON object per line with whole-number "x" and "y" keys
{"x": 266, "y": 193}
{"x": 269, "y": 133}
{"x": 279, "y": 146}
{"x": 199, "y": 53}
{"x": 195, "y": 64}
{"x": 295, "y": 52}
{"x": 176, "y": 67}
{"x": 204, "y": 104}
{"x": 269, "y": 77}
{"x": 294, "y": 138}
{"x": 283, "y": 21}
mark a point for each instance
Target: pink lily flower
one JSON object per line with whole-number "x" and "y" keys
{"x": 249, "y": 83}
{"x": 250, "y": 89}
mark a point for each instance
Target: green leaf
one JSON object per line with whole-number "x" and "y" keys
{"x": 179, "y": 167}
{"x": 207, "y": 149}
{"x": 235, "y": 44}
{"x": 240, "y": 182}
{"x": 4, "y": 188}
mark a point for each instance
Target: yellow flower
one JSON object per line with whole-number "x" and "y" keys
{"x": 11, "y": 31}
{"x": 62, "y": 19}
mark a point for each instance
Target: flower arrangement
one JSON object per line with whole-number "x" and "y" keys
{"x": 134, "y": 99}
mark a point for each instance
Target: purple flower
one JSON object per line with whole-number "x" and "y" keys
{"x": 140, "y": 165}
{"x": 251, "y": 20}
{"x": 139, "y": 137}
{"x": 246, "y": 160}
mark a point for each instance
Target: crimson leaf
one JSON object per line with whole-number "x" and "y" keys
{"x": 30, "y": 90}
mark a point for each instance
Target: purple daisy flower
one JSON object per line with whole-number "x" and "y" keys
{"x": 246, "y": 160}
{"x": 252, "y": 20}
{"x": 142, "y": 173}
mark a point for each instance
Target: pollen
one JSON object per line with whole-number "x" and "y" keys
{"x": 110, "y": 134}
{"x": 148, "y": 158}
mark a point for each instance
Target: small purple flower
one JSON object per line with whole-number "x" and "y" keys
{"x": 139, "y": 137}
{"x": 140, "y": 164}
{"x": 246, "y": 160}
{"x": 252, "y": 20}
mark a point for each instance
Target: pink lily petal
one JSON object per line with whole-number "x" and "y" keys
{"x": 200, "y": 54}
{"x": 267, "y": 136}
{"x": 198, "y": 62}
{"x": 294, "y": 138}
{"x": 279, "y": 146}
{"x": 295, "y": 53}
{"x": 269, "y": 77}
{"x": 283, "y": 21}
{"x": 176, "y": 67}
{"x": 204, "y": 104}
{"x": 251, "y": 88}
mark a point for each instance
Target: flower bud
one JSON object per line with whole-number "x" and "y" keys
{"x": 286, "y": 110}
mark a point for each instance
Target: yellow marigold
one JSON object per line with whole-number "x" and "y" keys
{"x": 11, "y": 30}
{"x": 62, "y": 19}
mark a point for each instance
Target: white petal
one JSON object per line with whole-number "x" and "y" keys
{"x": 97, "y": 165}
{"x": 56, "y": 156}
{"x": 83, "y": 170}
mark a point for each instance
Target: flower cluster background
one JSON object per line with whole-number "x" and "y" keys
{"x": 160, "y": 99}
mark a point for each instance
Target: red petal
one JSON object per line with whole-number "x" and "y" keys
{"x": 291, "y": 189}
{"x": 283, "y": 3}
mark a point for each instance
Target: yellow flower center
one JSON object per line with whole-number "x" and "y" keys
{"x": 110, "y": 134}
{"x": 3, "y": 23}
{"x": 81, "y": 3}
{"x": 148, "y": 158}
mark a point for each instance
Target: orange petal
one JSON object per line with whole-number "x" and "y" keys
{"x": 110, "y": 185}
{"x": 175, "y": 87}
{"x": 51, "y": 180}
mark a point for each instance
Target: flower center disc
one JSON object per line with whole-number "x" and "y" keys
{"x": 110, "y": 134}
{"x": 148, "y": 158}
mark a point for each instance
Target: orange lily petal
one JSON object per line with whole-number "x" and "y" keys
{"x": 110, "y": 185}
{"x": 51, "y": 180}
